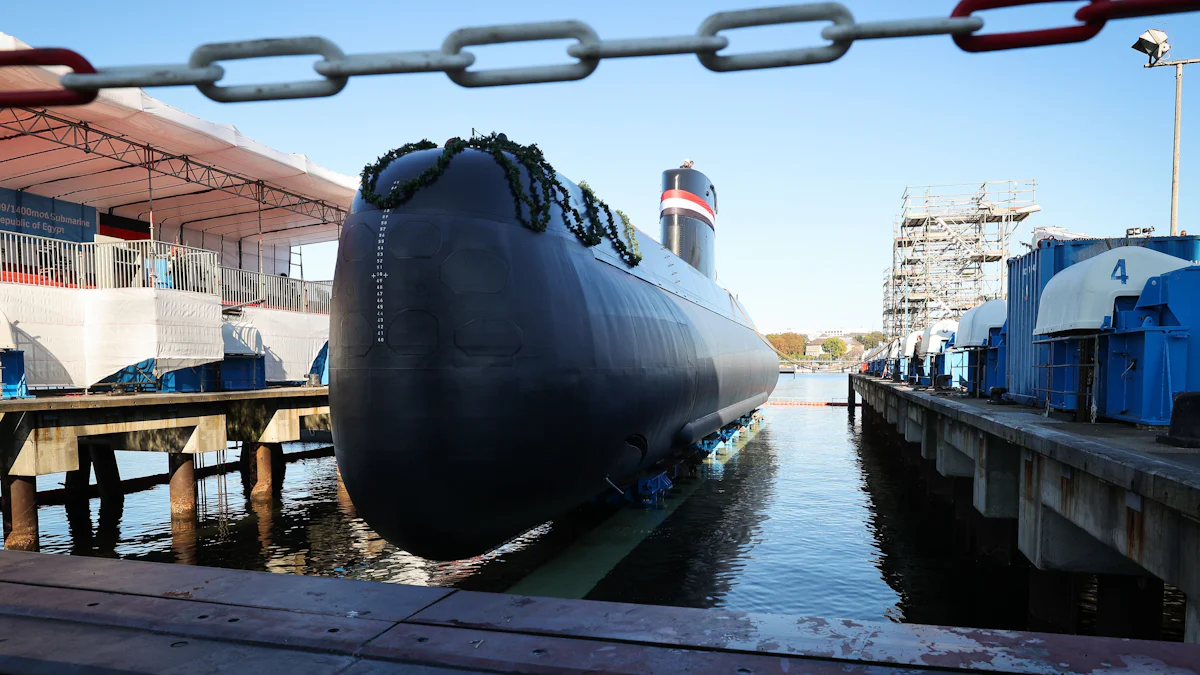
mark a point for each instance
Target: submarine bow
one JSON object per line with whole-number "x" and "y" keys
{"x": 486, "y": 377}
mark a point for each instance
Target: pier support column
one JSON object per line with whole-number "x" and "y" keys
{"x": 184, "y": 538}
{"x": 851, "y": 402}
{"x": 22, "y": 497}
{"x": 78, "y": 503}
{"x": 997, "y": 471}
{"x": 182, "y": 469}
{"x": 77, "y": 482}
{"x": 264, "y": 455}
{"x": 1054, "y": 600}
{"x": 1129, "y": 606}
{"x": 5, "y": 508}
{"x": 108, "y": 476}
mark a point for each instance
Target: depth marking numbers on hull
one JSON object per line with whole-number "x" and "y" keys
{"x": 379, "y": 274}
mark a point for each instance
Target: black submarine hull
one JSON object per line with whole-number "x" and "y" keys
{"x": 486, "y": 378}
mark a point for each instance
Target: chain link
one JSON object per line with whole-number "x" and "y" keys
{"x": 587, "y": 51}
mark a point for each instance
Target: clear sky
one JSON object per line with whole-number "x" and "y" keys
{"x": 810, "y": 162}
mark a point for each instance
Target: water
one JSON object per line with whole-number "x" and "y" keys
{"x": 815, "y": 516}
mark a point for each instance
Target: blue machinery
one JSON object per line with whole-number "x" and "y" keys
{"x": 12, "y": 374}
{"x": 1099, "y": 328}
{"x": 234, "y": 373}
{"x": 713, "y": 451}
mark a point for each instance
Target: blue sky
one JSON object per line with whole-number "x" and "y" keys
{"x": 810, "y": 162}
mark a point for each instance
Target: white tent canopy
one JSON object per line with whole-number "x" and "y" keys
{"x": 210, "y": 184}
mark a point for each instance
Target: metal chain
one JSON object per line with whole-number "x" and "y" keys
{"x": 335, "y": 67}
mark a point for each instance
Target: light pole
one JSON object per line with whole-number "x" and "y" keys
{"x": 1153, "y": 43}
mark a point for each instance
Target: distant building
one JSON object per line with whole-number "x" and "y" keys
{"x": 843, "y": 332}
{"x": 813, "y": 348}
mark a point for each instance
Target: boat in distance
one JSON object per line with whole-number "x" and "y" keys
{"x": 486, "y": 377}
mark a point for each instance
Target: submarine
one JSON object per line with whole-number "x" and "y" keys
{"x": 504, "y": 347}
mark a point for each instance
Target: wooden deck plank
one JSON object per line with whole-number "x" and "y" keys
{"x": 844, "y": 640}
{"x": 516, "y": 652}
{"x": 318, "y": 595}
{"x": 62, "y": 613}
{"x": 38, "y": 647}
{"x": 194, "y": 619}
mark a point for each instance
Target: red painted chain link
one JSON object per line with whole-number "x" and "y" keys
{"x": 1093, "y": 16}
{"x": 1032, "y": 38}
{"x": 41, "y": 98}
{"x": 1105, "y": 10}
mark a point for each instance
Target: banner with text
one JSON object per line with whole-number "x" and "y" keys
{"x": 45, "y": 217}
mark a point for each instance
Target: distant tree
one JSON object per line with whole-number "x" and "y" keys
{"x": 834, "y": 347}
{"x": 871, "y": 340}
{"x": 788, "y": 344}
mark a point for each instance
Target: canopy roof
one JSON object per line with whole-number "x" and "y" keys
{"x": 202, "y": 175}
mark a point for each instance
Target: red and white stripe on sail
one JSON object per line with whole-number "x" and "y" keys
{"x": 684, "y": 203}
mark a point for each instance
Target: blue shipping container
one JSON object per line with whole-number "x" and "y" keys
{"x": 1027, "y": 277}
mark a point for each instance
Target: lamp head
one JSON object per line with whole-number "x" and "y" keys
{"x": 1153, "y": 43}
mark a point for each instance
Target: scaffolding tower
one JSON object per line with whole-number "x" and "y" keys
{"x": 949, "y": 247}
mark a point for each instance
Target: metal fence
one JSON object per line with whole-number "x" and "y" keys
{"x": 246, "y": 288}
{"x": 41, "y": 261}
{"x": 155, "y": 264}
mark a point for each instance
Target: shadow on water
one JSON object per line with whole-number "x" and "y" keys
{"x": 686, "y": 565}
{"x": 925, "y": 554}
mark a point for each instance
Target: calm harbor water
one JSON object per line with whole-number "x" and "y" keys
{"x": 813, "y": 517}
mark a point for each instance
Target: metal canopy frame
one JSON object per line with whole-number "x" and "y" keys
{"x": 98, "y": 143}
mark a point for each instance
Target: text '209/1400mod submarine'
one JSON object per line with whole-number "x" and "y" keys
{"x": 500, "y": 350}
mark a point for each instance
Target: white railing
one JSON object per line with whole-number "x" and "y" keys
{"x": 251, "y": 289}
{"x": 156, "y": 264}
{"x": 41, "y": 261}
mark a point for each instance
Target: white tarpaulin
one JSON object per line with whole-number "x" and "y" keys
{"x": 241, "y": 339}
{"x": 47, "y": 324}
{"x": 291, "y": 340}
{"x": 124, "y": 326}
{"x": 6, "y": 333}
{"x": 75, "y": 338}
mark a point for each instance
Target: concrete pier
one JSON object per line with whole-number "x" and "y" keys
{"x": 81, "y": 434}
{"x": 1084, "y": 499}
{"x": 130, "y": 616}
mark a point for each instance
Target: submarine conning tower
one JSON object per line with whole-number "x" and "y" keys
{"x": 688, "y": 215}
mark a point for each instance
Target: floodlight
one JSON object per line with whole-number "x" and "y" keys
{"x": 1153, "y": 43}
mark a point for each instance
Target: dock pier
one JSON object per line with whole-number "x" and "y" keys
{"x": 150, "y": 617}
{"x": 1074, "y": 499}
{"x": 80, "y": 434}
